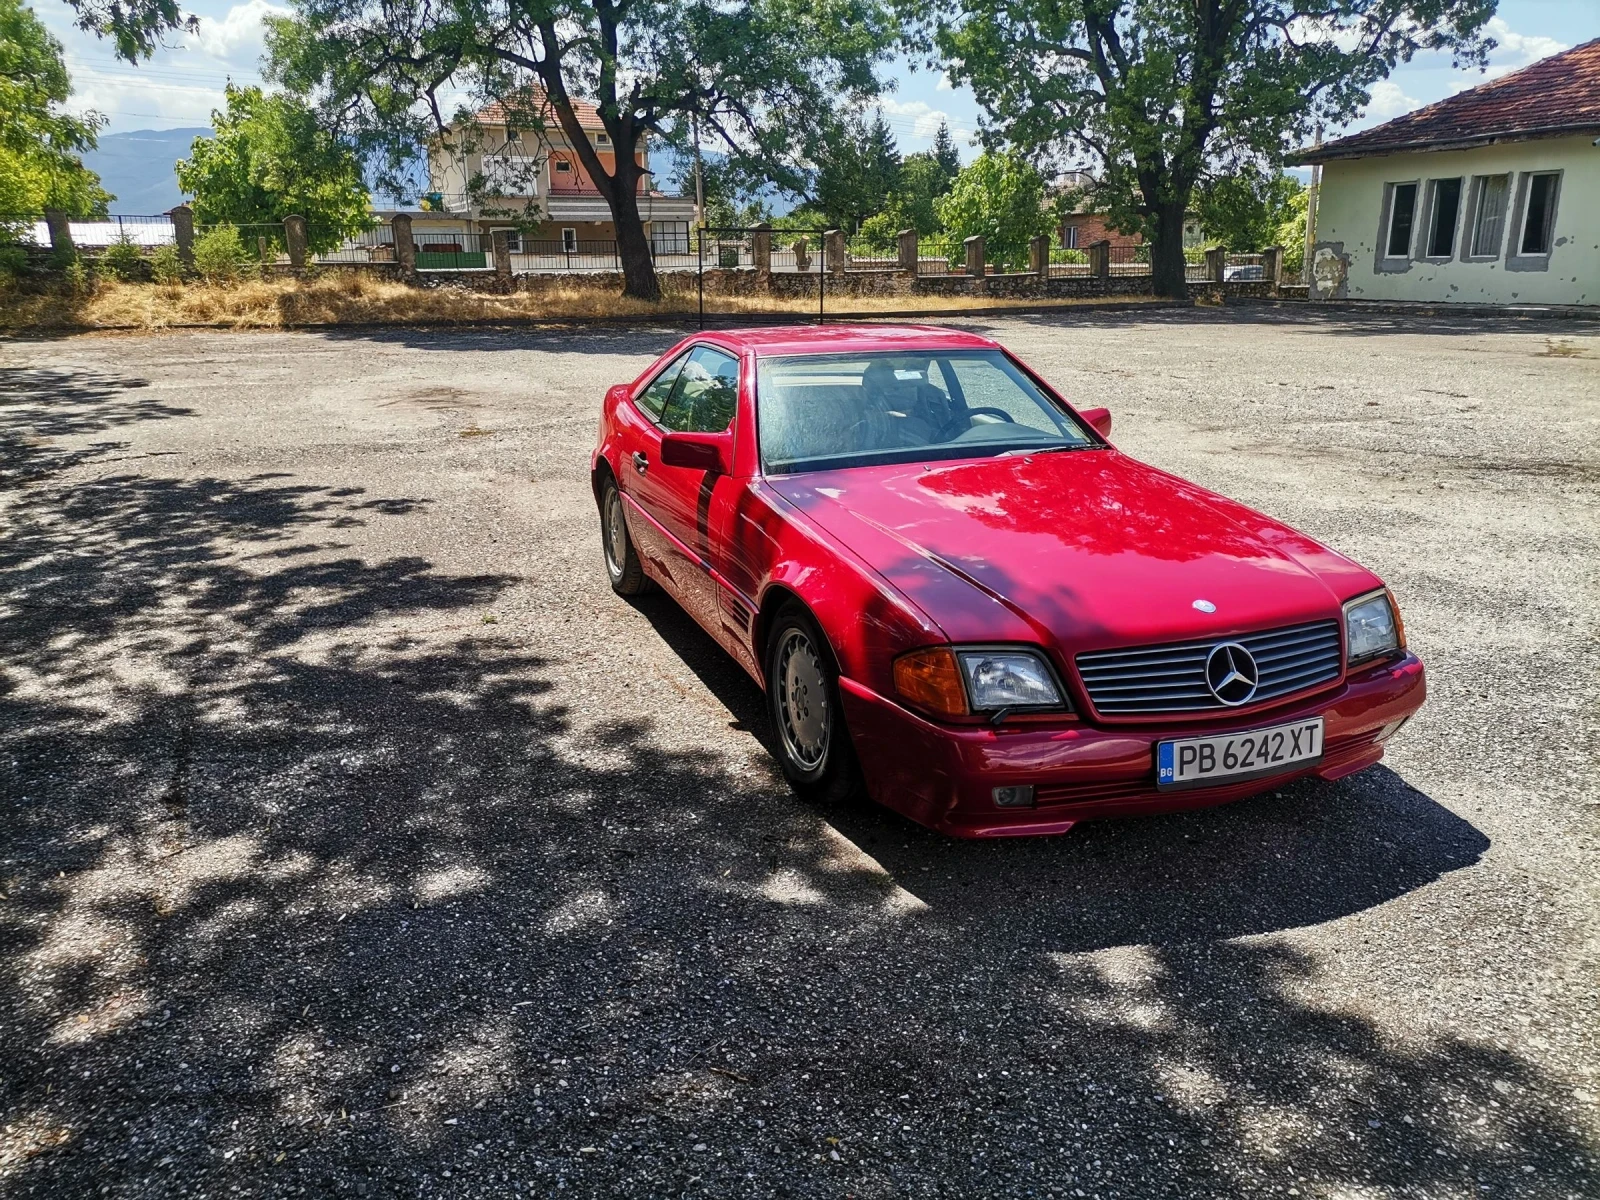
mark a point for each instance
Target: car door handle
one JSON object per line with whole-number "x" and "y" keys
{"x": 641, "y": 462}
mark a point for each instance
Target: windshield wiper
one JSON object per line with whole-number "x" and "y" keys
{"x": 1046, "y": 449}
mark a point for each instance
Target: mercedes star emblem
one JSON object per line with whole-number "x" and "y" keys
{"x": 1232, "y": 674}
{"x": 1204, "y": 606}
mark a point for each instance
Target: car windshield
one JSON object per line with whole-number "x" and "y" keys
{"x": 822, "y": 411}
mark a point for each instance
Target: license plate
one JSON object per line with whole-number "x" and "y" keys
{"x": 1195, "y": 762}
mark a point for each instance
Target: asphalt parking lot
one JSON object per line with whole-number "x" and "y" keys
{"x": 358, "y": 841}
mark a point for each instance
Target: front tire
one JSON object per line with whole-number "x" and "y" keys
{"x": 813, "y": 745}
{"x": 623, "y": 567}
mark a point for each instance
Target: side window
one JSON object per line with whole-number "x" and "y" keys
{"x": 706, "y": 395}
{"x": 654, "y": 397}
{"x": 1402, "y": 216}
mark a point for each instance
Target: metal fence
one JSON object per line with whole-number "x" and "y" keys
{"x": 452, "y": 251}
{"x": 367, "y": 246}
{"x": 146, "y": 232}
{"x": 563, "y": 255}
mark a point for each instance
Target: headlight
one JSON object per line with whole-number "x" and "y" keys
{"x": 1008, "y": 679}
{"x": 1372, "y": 627}
{"x": 957, "y": 681}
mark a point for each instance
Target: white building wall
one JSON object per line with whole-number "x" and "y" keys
{"x": 1351, "y": 256}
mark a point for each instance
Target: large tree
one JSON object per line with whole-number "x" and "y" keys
{"x": 1157, "y": 91}
{"x": 269, "y": 157}
{"x": 1001, "y": 197}
{"x": 858, "y": 171}
{"x": 39, "y": 143}
{"x": 759, "y": 78}
{"x": 135, "y": 27}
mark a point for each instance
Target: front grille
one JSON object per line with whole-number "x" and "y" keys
{"x": 1172, "y": 678}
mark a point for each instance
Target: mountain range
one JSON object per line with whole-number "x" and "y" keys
{"x": 137, "y": 167}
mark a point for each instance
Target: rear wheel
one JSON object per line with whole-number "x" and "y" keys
{"x": 622, "y": 563}
{"x": 814, "y": 747}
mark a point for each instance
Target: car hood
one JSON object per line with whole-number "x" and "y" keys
{"x": 1082, "y": 548}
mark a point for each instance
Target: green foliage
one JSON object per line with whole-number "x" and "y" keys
{"x": 220, "y": 256}
{"x": 1291, "y": 235}
{"x": 270, "y": 157}
{"x": 945, "y": 157}
{"x": 1243, "y": 210}
{"x": 858, "y": 173}
{"x": 39, "y": 144}
{"x": 1157, "y": 93}
{"x": 13, "y": 262}
{"x": 79, "y": 281}
{"x": 1001, "y": 197}
{"x": 762, "y": 79}
{"x": 123, "y": 259}
{"x": 136, "y": 27}
{"x": 166, "y": 265}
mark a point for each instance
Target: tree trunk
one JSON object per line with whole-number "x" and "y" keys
{"x": 1167, "y": 275}
{"x": 633, "y": 248}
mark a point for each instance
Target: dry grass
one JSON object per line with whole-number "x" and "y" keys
{"x": 351, "y": 298}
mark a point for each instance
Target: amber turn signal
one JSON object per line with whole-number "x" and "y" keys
{"x": 931, "y": 678}
{"x": 1399, "y": 625}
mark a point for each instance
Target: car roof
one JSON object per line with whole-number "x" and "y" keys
{"x": 848, "y": 339}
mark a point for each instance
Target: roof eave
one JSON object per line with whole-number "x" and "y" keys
{"x": 1331, "y": 152}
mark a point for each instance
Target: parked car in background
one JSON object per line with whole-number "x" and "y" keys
{"x": 957, "y": 594}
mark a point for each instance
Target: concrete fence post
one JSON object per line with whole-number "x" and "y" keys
{"x": 60, "y": 229}
{"x": 833, "y": 251}
{"x": 294, "y": 232}
{"x": 1100, "y": 258}
{"x": 183, "y": 233}
{"x": 1216, "y": 263}
{"x": 802, "y": 255}
{"x": 1272, "y": 266}
{"x": 974, "y": 247}
{"x": 908, "y": 251}
{"x": 500, "y": 245}
{"x": 405, "y": 246}
{"x": 1039, "y": 256}
{"x": 761, "y": 248}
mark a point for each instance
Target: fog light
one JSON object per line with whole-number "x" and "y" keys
{"x": 1020, "y": 796}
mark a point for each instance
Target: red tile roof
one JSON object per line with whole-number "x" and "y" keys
{"x": 535, "y": 100}
{"x": 1554, "y": 96}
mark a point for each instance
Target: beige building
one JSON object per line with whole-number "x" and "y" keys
{"x": 1489, "y": 197}
{"x": 489, "y": 174}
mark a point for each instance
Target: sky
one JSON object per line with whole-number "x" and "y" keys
{"x": 183, "y": 82}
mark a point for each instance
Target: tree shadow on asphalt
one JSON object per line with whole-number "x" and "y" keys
{"x": 299, "y": 897}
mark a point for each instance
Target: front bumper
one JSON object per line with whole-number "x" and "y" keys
{"x": 943, "y": 776}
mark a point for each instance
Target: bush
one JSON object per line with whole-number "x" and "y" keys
{"x": 13, "y": 261}
{"x": 79, "y": 281}
{"x": 166, "y": 266}
{"x": 123, "y": 259}
{"x": 220, "y": 256}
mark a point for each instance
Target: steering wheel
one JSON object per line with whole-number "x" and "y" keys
{"x": 960, "y": 424}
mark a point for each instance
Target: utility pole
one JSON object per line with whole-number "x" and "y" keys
{"x": 1311, "y": 211}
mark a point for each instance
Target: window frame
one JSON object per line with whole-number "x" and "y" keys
{"x": 676, "y": 361}
{"x": 1430, "y": 222}
{"x": 1391, "y": 191}
{"x": 1474, "y": 214}
{"x": 1529, "y": 178}
{"x": 569, "y": 245}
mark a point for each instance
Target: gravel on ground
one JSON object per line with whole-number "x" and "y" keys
{"x": 356, "y": 840}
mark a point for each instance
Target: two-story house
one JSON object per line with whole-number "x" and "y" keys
{"x": 539, "y": 171}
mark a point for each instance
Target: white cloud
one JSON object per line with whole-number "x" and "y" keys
{"x": 944, "y": 84}
{"x": 924, "y": 119}
{"x": 1517, "y": 49}
{"x": 1390, "y": 100}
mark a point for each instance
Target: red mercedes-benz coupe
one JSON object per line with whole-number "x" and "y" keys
{"x": 955, "y": 590}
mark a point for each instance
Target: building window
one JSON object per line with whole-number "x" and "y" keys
{"x": 1069, "y": 237}
{"x": 1539, "y": 213}
{"x": 603, "y": 139}
{"x": 1444, "y": 214}
{"x": 669, "y": 237}
{"x": 1402, "y": 216}
{"x": 569, "y": 241}
{"x": 563, "y": 167}
{"x": 513, "y": 240}
{"x": 1490, "y": 193}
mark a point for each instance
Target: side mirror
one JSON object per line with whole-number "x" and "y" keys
{"x": 1099, "y": 418}
{"x": 698, "y": 451}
